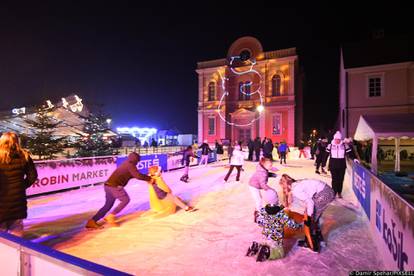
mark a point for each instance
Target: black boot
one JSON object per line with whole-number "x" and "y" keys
{"x": 264, "y": 253}
{"x": 253, "y": 249}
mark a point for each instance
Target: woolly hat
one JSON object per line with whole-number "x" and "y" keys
{"x": 338, "y": 135}
{"x": 270, "y": 196}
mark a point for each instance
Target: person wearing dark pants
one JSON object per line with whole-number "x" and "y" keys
{"x": 338, "y": 150}
{"x": 250, "y": 146}
{"x": 237, "y": 160}
{"x": 114, "y": 189}
{"x": 283, "y": 149}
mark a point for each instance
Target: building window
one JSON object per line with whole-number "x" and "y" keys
{"x": 277, "y": 124}
{"x": 211, "y": 126}
{"x": 244, "y": 90}
{"x": 375, "y": 86}
{"x": 276, "y": 85}
{"x": 212, "y": 91}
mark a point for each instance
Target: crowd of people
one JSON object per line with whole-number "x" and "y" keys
{"x": 18, "y": 172}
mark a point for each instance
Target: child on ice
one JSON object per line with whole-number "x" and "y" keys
{"x": 258, "y": 182}
{"x": 161, "y": 198}
{"x": 272, "y": 219}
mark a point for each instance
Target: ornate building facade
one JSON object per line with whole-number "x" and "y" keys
{"x": 250, "y": 94}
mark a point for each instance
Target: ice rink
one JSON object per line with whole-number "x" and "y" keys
{"x": 210, "y": 241}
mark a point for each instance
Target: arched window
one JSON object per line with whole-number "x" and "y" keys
{"x": 212, "y": 91}
{"x": 276, "y": 85}
{"x": 244, "y": 90}
{"x": 241, "y": 90}
{"x": 247, "y": 90}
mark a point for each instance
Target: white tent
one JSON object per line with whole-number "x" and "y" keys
{"x": 389, "y": 126}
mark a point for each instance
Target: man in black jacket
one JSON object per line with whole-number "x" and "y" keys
{"x": 205, "y": 150}
{"x": 257, "y": 148}
{"x": 114, "y": 189}
{"x": 250, "y": 146}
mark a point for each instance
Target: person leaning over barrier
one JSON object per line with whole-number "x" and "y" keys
{"x": 114, "y": 189}
{"x": 17, "y": 173}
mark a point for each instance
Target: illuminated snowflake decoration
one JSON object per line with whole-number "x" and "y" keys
{"x": 242, "y": 90}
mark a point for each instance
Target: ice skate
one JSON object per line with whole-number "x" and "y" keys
{"x": 92, "y": 225}
{"x": 323, "y": 171}
{"x": 264, "y": 253}
{"x": 317, "y": 172}
{"x": 111, "y": 220}
{"x": 253, "y": 249}
{"x": 190, "y": 209}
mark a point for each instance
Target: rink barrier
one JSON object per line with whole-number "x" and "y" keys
{"x": 57, "y": 175}
{"x": 23, "y": 257}
{"x": 390, "y": 216}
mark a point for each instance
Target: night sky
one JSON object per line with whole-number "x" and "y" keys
{"x": 137, "y": 63}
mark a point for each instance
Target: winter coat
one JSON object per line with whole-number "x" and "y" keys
{"x": 237, "y": 158}
{"x": 126, "y": 171}
{"x": 273, "y": 224}
{"x": 337, "y": 154}
{"x": 268, "y": 148}
{"x": 187, "y": 154}
{"x": 205, "y": 149}
{"x": 305, "y": 189}
{"x": 283, "y": 147}
{"x": 250, "y": 145}
{"x": 257, "y": 145}
{"x": 15, "y": 178}
{"x": 219, "y": 148}
{"x": 259, "y": 178}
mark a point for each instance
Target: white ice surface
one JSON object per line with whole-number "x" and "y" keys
{"x": 210, "y": 241}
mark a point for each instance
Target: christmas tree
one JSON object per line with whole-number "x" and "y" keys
{"x": 95, "y": 143}
{"x": 43, "y": 142}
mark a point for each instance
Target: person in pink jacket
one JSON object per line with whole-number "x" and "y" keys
{"x": 258, "y": 183}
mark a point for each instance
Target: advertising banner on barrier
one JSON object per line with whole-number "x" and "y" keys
{"x": 361, "y": 184}
{"x": 64, "y": 174}
{"x": 148, "y": 161}
{"x": 393, "y": 226}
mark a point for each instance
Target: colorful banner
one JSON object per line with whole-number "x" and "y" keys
{"x": 148, "y": 161}
{"x": 70, "y": 173}
{"x": 361, "y": 184}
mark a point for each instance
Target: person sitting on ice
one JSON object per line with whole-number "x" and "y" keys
{"x": 316, "y": 194}
{"x": 272, "y": 220}
{"x": 258, "y": 182}
{"x": 162, "y": 199}
{"x": 114, "y": 189}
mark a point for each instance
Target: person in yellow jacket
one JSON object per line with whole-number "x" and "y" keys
{"x": 161, "y": 197}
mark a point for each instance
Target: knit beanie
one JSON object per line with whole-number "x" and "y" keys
{"x": 338, "y": 135}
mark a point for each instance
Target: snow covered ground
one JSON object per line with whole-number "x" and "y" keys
{"x": 210, "y": 241}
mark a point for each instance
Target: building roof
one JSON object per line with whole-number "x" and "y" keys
{"x": 385, "y": 126}
{"x": 378, "y": 51}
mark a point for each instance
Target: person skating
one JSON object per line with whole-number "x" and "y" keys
{"x": 230, "y": 150}
{"x": 17, "y": 173}
{"x": 337, "y": 151}
{"x": 257, "y": 148}
{"x": 162, "y": 200}
{"x": 186, "y": 160}
{"x": 205, "y": 150}
{"x": 250, "y": 146}
{"x": 283, "y": 149}
{"x": 237, "y": 160}
{"x": 258, "y": 183}
{"x": 272, "y": 220}
{"x": 316, "y": 195}
{"x": 321, "y": 155}
{"x": 114, "y": 189}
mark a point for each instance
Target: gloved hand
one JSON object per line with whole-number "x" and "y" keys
{"x": 356, "y": 161}
{"x": 308, "y": 221}
{"x": 270, "y": 174}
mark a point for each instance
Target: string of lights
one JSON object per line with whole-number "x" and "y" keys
{"x": 242, "y": 90}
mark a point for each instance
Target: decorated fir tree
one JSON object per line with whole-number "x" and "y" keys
{"x": 95, "y": 143}
{"x": 43, "y": 142}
